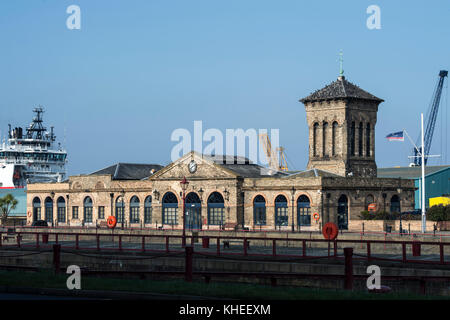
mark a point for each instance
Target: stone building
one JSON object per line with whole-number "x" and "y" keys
{"x": 231, "y": 192}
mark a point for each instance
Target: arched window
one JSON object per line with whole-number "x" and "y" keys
{"x": 259, "y": 211}
{"x": 395, "y": 204}
{"x": 193, "y": 211}
{"x": 325, "y": 139}
{"x": 170, "y": 206}
{"x": 342, "y": 212}
{"x": 216, "y": 209}
{"x": 87, "y": 209}
{"x": 49, "y": 209}
{"x": 352, "y": 139}
{"x": 303, "y": 211}
{"x": 281, "y": 211}
{"x": 333, "y": 138}
{"x": 315, "y": 129}
{"x": 148, "y": 210}
{"x": 120, "y": 208}
{"x": 61, "y": 211}
{"x": 360, "y": 139}
{"x": 369, "y": 199}
{"x": 368, "y": 140}
{"x": 36, "y": 209}
{"x": 134, "y": 209}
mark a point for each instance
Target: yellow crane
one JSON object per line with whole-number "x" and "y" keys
{"x": 276, "y": 162}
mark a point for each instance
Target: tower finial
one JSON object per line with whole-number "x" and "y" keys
{"x": 341, "y": 63}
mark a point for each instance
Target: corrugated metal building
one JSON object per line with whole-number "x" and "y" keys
{"x": 437, "y": 180}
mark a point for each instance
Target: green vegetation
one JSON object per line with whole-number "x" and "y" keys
{"x": 46, "y": 279}
{"x": 7, "y": 203}
{"x": 439, "y": 213}
{"x": 383, "y": 215}
{"x": 435, "y": 213}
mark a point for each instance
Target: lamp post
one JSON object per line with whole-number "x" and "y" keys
{"x": 184, "y": 185}
{"x": 293, "y": 193}
{"x": 122, "y": 194}
{"x": 200, "y": 192}
{"x": 111, "y": 195}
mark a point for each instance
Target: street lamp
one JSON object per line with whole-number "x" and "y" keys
{"x": 122, "y": 194}
{"x": 293, "y": 193}
{"x": 184, "y": 185}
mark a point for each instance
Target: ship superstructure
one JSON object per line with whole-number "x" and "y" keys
{"x": 31, "y": 156}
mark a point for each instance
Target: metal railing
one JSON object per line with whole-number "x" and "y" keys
{"x": 222, "y": 245}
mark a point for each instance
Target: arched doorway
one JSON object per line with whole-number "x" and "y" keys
{"x": 49, "y": 210}
{"x": 216, "y": 209}
{"x": 342, "y": 212}
{"x": 193, "y": 211}
{"x": 303, "y": 211}
{"x": 259, "y": 211}
{"x": 36, "y": 209}
{"x": 148, "y": 210}
{"x": 170, "y": 206}
{"x": 395, "y": 204}
{"x": 281, "y": 211}
{"x": 87, "y": 210}
{"x": 134, "y": 209}
{"x": 120, "y": 209}
{"x": 61, "y": 211}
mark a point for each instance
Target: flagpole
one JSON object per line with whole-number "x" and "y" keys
{"x": 422, "y": 154}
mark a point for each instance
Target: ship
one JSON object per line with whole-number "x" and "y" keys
{"x": 30, "y": 156}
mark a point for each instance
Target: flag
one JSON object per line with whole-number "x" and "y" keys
{"x": 398, "y": 136}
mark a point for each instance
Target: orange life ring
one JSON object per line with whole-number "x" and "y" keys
{"x": 330, "y": 231}
{"x": 111, "y": 222}
{"x": 316, "y": 216}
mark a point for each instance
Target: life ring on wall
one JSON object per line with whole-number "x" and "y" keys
{"x": 111, "y": 222}
{"x": 316, "y": 216}
{"x": 330, "y": 231}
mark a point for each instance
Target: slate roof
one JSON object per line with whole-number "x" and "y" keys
{"x": 243, "y": 167}
{"x": 314, "y": 173}
{"x": 408, "y": 172}
{"x": 253, "y": 171}
{"x": 340, "y": 89}
{"x": 222, "y": 159}
{"x": 129, "y": 171}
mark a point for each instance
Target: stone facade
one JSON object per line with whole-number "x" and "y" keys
{"x": 241, "y": 195}
{"x": 238, "y": 193}
{"x": 342, "y": 129}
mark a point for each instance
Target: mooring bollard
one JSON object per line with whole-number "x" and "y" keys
{"x": 348, "y": 253}
{"x": 57, "y": 257}
{"x": 188, "y": 263}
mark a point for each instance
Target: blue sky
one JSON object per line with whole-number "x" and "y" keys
{"x": 137, "y": 70}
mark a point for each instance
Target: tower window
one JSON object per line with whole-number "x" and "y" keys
{"x": 352, "y": 139}
{"x": 333, "y": 138}
{"x": 315, "y": 128}
{"x": 360, "y": 139}
{"x": 368, "y": 140}
{"x": 325, "y": 139}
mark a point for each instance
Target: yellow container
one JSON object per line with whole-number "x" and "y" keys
{"x": 439, "y": 200}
